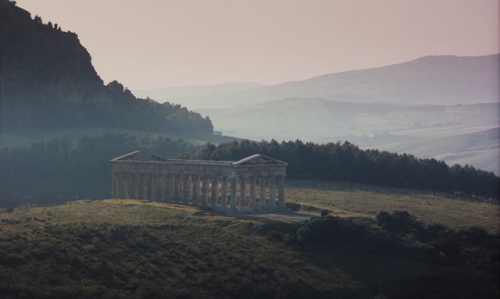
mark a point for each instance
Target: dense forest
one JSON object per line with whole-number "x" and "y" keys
{"x": 57, "y": 171}
{"x": 347, "y": 162}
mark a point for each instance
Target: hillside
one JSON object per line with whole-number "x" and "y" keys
{"x": 129, "y": 248}
{"x": 397, "y": 128}
{"x": 48, "y": 82}
{"x": 438, "y": 80}
{"x": 480, "y": 149}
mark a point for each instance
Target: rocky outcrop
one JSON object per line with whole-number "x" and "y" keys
{"x": 48, "y": 80}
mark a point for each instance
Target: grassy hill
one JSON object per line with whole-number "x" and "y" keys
{"x": 140, "y": 249}
{"x": 348, "y": 199}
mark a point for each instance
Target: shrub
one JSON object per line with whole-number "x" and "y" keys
{"x": 290, "y": 240}
{"x": 325, "y": 213}
{"x": 293, "y": 206}
{"x": 435, "y": 229}
{"x": 474, "y": 236}
{"x": 399, "y": 220}
{"x": 329, "y": 231}
{"x": 276, "y": 235}
{"x": 450, "y": 247}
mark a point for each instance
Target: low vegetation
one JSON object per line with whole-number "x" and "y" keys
{"x": 139, "y": 249}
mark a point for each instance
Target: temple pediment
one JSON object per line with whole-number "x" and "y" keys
{"x": 138, "y": 156}
{"x": 259, "y": 159}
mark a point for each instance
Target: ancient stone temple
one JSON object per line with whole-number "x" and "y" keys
{"x": 224, "y": 185}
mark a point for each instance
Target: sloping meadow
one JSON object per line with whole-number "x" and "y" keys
{"x": 129, "y": 248}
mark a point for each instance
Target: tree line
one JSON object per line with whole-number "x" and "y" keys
{"x": 347, "y": 162}
{"x": 57, "y": 171}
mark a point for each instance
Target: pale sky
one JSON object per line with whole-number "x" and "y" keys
{"x": 163, "y": 43}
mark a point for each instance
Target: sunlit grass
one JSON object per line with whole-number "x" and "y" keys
{"x": 369, "y": 200}
{"x": 132, "y": 248}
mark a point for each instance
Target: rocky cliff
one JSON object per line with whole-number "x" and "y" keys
{"x": 47, "y": 80}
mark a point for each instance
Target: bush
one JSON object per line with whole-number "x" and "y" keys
{"x": 325, "y": 213}
{"x": 474, "y": 236}
{"x": 435, "y": 229}
{"x": 450, "y": 247}
{"x": 293, "y": 206}
{"x": 329, "y": 231}
{"x": 276, "y": 235}
{"x": 290, "y": 240}
{"x": 399, "y": 220}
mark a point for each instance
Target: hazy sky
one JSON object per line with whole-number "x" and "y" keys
{"x": 161, "y": 43}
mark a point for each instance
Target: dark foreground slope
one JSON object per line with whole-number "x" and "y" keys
{"x": 48, "y": 81}
{"x": 132, "y": 249}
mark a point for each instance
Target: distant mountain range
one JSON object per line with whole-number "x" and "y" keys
{"x": 196, "y": 90}
{"x": 446, "y": 107}
{"x": 440, "y": 80}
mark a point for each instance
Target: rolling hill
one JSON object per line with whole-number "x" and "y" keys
{"x": 174, "y": 94}
{"x": 424, "y": 130}
{"x": 480, "y": 149}
{"x": 439, "y": 80}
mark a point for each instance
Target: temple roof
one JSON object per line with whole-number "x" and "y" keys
{"x": 257, "y": 159}
{"x": 138, "y": 156}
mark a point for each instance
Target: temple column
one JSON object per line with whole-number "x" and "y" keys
{"x": 116, "y": 186}
{"x": 196, "y": 193}
{"x": 178, "y": 188}
{"x": 170, "y": 188}
{"x": 189, "y": 189}
{"x": 253, "y": 200}
{"x": 145, "y": 186}
{"x": 272, "y": 193}
{"x": 185, "y": 198}
{"x": 232, "y": 197}
{"x": 215, "y": 192}
{"x": 135, "y": 184}
{"x": 153, "y": 186}
{"x": 163, "y": 187}
{"x": 223, "y": 193}
{"x": 175, "y": 187}
{"x": 125, "y": 182}
{"x": 204, "y": 191}
{"x": 281, "y": 192}
{"x": 243, "y": 192}
{"x": 262, "y": 198}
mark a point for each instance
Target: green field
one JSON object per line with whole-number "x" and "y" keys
{"x": 141, "y": 249}
{"x": 348, "y": 199}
